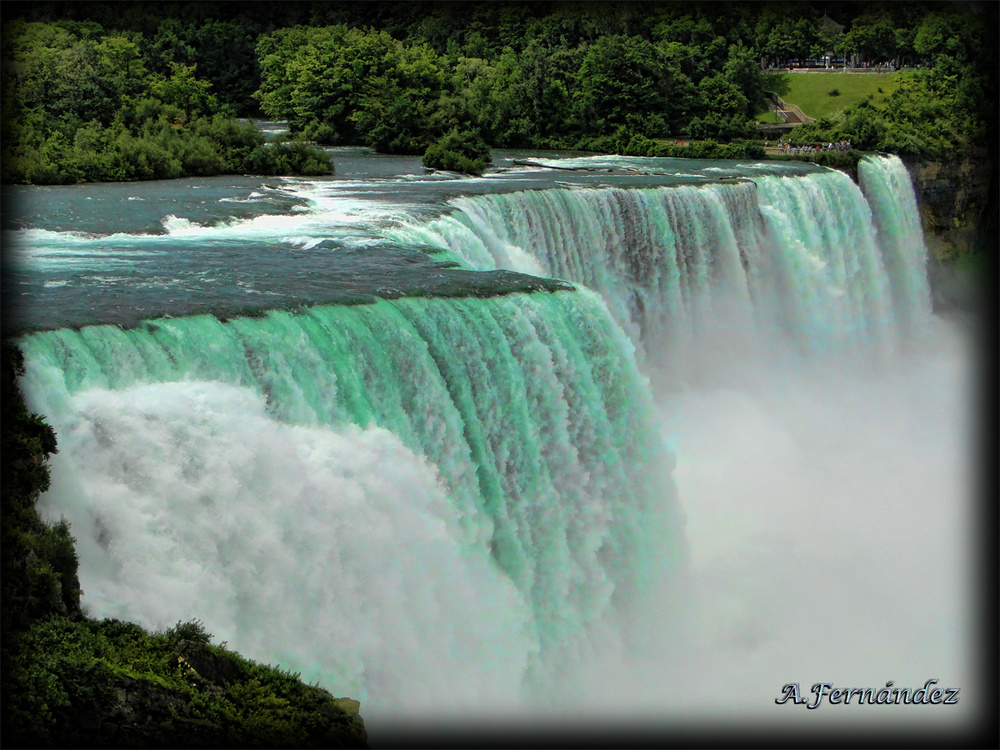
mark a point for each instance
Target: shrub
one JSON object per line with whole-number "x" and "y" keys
{"x": 464, "y": 151}
{"x": 192, "y": 630}
{"x": 320, "y": 132}
{"x": 288, "y": 157}
{"x": 836, "y": 92}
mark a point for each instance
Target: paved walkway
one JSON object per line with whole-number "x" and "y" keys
{"x": 885, "y": 69}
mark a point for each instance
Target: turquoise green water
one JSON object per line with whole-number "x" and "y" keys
{"x": 539, "y": 427}
{"x": 817, "y": 260}
{"x": 443, "y": 496}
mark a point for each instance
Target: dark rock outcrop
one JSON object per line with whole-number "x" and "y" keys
{"x": 957, "y": 199}
{"x": 208, "y": 666}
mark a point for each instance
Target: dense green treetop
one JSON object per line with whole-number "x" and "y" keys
{"x": 143, "y": 83}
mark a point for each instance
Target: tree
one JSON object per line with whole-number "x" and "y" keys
{"x": 182, "y": 90}
{"x": 742, "y": 71}
{"x": 499, "y": 95}
{"x": 621, "y": 83}
{"x": 726, "y": 111}
{"x": 873, "y": 38}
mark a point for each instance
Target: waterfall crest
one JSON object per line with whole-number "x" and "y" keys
{"x": 814, "y": 259}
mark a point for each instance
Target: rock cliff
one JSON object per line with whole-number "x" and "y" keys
{"x": 959, "y": 205}
{"x": 957, "y": 201}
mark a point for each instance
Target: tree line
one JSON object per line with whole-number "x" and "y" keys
{"x": 138, "y": 90}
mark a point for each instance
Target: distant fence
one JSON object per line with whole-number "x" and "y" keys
{"x": 859, "y": 68}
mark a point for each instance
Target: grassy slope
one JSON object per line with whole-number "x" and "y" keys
{"x": 810, "y": 91}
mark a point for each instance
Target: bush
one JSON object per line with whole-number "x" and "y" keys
{"x": 634, "y": 144}
{"x": 320, "y": 132}
{"x": 715, "y": 126}
{"x": 286, "y": 157}
{"x": 464, "y": 151}
{"x": 234, "y": 141}
{"x": 602, "y": 144}
{"x": 192, "y": 630}
{"x": 836, "y": 92}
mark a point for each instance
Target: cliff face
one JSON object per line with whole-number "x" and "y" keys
{"x": 959, "y": 205}
{"x": 957, "y": 201}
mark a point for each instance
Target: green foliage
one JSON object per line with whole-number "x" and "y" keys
{"x": 947, "y": 105}
{"x": 618, "y": 81}
{"x": 929, "y": 114}
{"x": 719, "y": 127}
{"x": 39, "y": 563}
{"x": 742, "y": 70}
{"x": 182, "y": 90}
{"x": 458, "y": 152}
{"x": 873, "y": 36}
{"x": 836, "y": 92}
{"x": 88, "y": 109}
{"x": 288, "y": 157}
{"x": 399, "y": 76}
{"x": 192, "y": 630}
{"x": 636, "y": 144}
{"x": 222, "y": 51}
{"x": 64, "y": 674}
{"x": 340, "y": 85}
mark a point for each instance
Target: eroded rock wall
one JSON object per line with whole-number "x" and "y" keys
{"x": 957, "y": 201}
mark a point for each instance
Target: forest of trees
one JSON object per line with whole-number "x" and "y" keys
{"x": 110, "y": 91}
{"x": 80, "y": 104}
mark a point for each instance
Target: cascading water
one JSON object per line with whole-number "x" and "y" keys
{"x": 894, "y": 208}
{"x": 519, "y": 422}
{"x": 461, "y": 506}
{"x": 802, "y": 256}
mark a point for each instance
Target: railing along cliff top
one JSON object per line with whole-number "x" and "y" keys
{"x": 782, "y": 106}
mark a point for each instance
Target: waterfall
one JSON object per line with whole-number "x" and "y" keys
{"x": 459, "y": 505}
{"x": 815, "y": 259}
{"x": 491, "y": 464}
{"x": 887, "y": 186}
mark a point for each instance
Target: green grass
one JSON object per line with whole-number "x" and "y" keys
{"x": 811, "y": 91}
